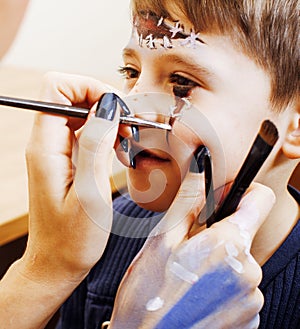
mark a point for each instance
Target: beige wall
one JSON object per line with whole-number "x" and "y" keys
{"x": 78, "y": 36}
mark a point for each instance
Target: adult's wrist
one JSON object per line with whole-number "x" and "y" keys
{"x": 35, "y": 296}
{"x": 47, "y": 272}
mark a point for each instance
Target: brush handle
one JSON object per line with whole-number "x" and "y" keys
{"x": 53, "y": 108}
{"x": 257, "y": 155}
{"x": 72, "y": 111}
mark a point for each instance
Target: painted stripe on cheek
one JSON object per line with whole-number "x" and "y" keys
{"x": 208, "y": 294}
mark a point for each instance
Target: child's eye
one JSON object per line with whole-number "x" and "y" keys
{"x": 182, "y": 81}
{"x": 182, "y": 86}
{"x": 128, "y": 72}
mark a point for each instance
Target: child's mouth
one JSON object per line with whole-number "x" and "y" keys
{"x": 150, "y": 158}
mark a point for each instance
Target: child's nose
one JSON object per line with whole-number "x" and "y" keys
{"x": 148, "y": 83}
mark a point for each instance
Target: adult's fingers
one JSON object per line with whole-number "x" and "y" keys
{"x": 72, "y": 89}
{"x": 184, "y": 209}
{"x": 253, "y": 209}
{"x": 50, "y": 148}
{"x": 93, "y": 168}
{"x": 48, "y": 157}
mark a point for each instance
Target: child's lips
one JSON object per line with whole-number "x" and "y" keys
{"x": 150, "y": 157}
{"x": 153, "y": 154}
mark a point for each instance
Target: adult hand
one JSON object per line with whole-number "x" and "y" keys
{"x": 70, "y": 205}
{"x": 208, "y": 280}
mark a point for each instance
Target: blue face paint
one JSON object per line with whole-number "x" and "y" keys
{"x": 211, "y": 292}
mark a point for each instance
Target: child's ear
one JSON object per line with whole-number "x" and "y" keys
{"x": 291, "y": 145}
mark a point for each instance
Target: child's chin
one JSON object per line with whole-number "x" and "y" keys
{"x": 159, "y": 204}
{"x": 153, "y": 206}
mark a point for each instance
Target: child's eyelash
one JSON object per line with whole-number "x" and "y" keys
{"x": 180, "y": 80}
{"x": 182, "y": 86}
{"x": 128, "y": 72}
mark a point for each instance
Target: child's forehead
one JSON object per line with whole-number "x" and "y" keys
{"x": 150, "y": 27}
{"x": 158, "y": 26}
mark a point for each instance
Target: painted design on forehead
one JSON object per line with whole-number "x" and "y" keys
{"x": 159, "y": 32}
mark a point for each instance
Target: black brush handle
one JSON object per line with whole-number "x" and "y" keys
{"x": 67, "y": 110}
{"x": 257, "y": 155}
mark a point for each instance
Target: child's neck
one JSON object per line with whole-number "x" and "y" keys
{"x": 276, "y": 228}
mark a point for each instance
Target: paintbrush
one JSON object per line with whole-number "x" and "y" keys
{"x": 72, "y": 111}
{"x": 260, "y": 150}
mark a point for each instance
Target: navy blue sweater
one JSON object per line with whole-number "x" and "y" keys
{"x": 92, "y": 302}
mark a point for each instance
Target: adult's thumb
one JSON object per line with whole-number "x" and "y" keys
{"x": 94, "y": 163}
{"x": 184, "y": 210}
{"x": 253, "y": 209}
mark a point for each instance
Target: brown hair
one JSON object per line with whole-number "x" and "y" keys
{"x": 265, "y": 30}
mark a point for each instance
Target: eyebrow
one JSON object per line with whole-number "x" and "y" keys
{"x": 190, "y": 64}
{"x": 187, "y": 61}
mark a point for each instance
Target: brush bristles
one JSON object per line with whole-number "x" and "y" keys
{"x": 269, "y": 132}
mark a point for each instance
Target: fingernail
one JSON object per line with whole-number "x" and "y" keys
{"x": 135, "y": 133}
{"x": 124, "y": 143}
{"x": 132, "y": 160}
{"x": 107, "y": 106}
{"x": 124, "y": 107}
{"x": 197, "y": 163}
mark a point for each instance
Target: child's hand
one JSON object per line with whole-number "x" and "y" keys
{"x": 70, "y": 195}
{"x": 207, "y": 281}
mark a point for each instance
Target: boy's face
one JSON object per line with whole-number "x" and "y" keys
{"x": 230, "y": 93}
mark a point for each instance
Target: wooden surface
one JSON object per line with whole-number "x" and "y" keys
{"x": 15, "y": 127}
